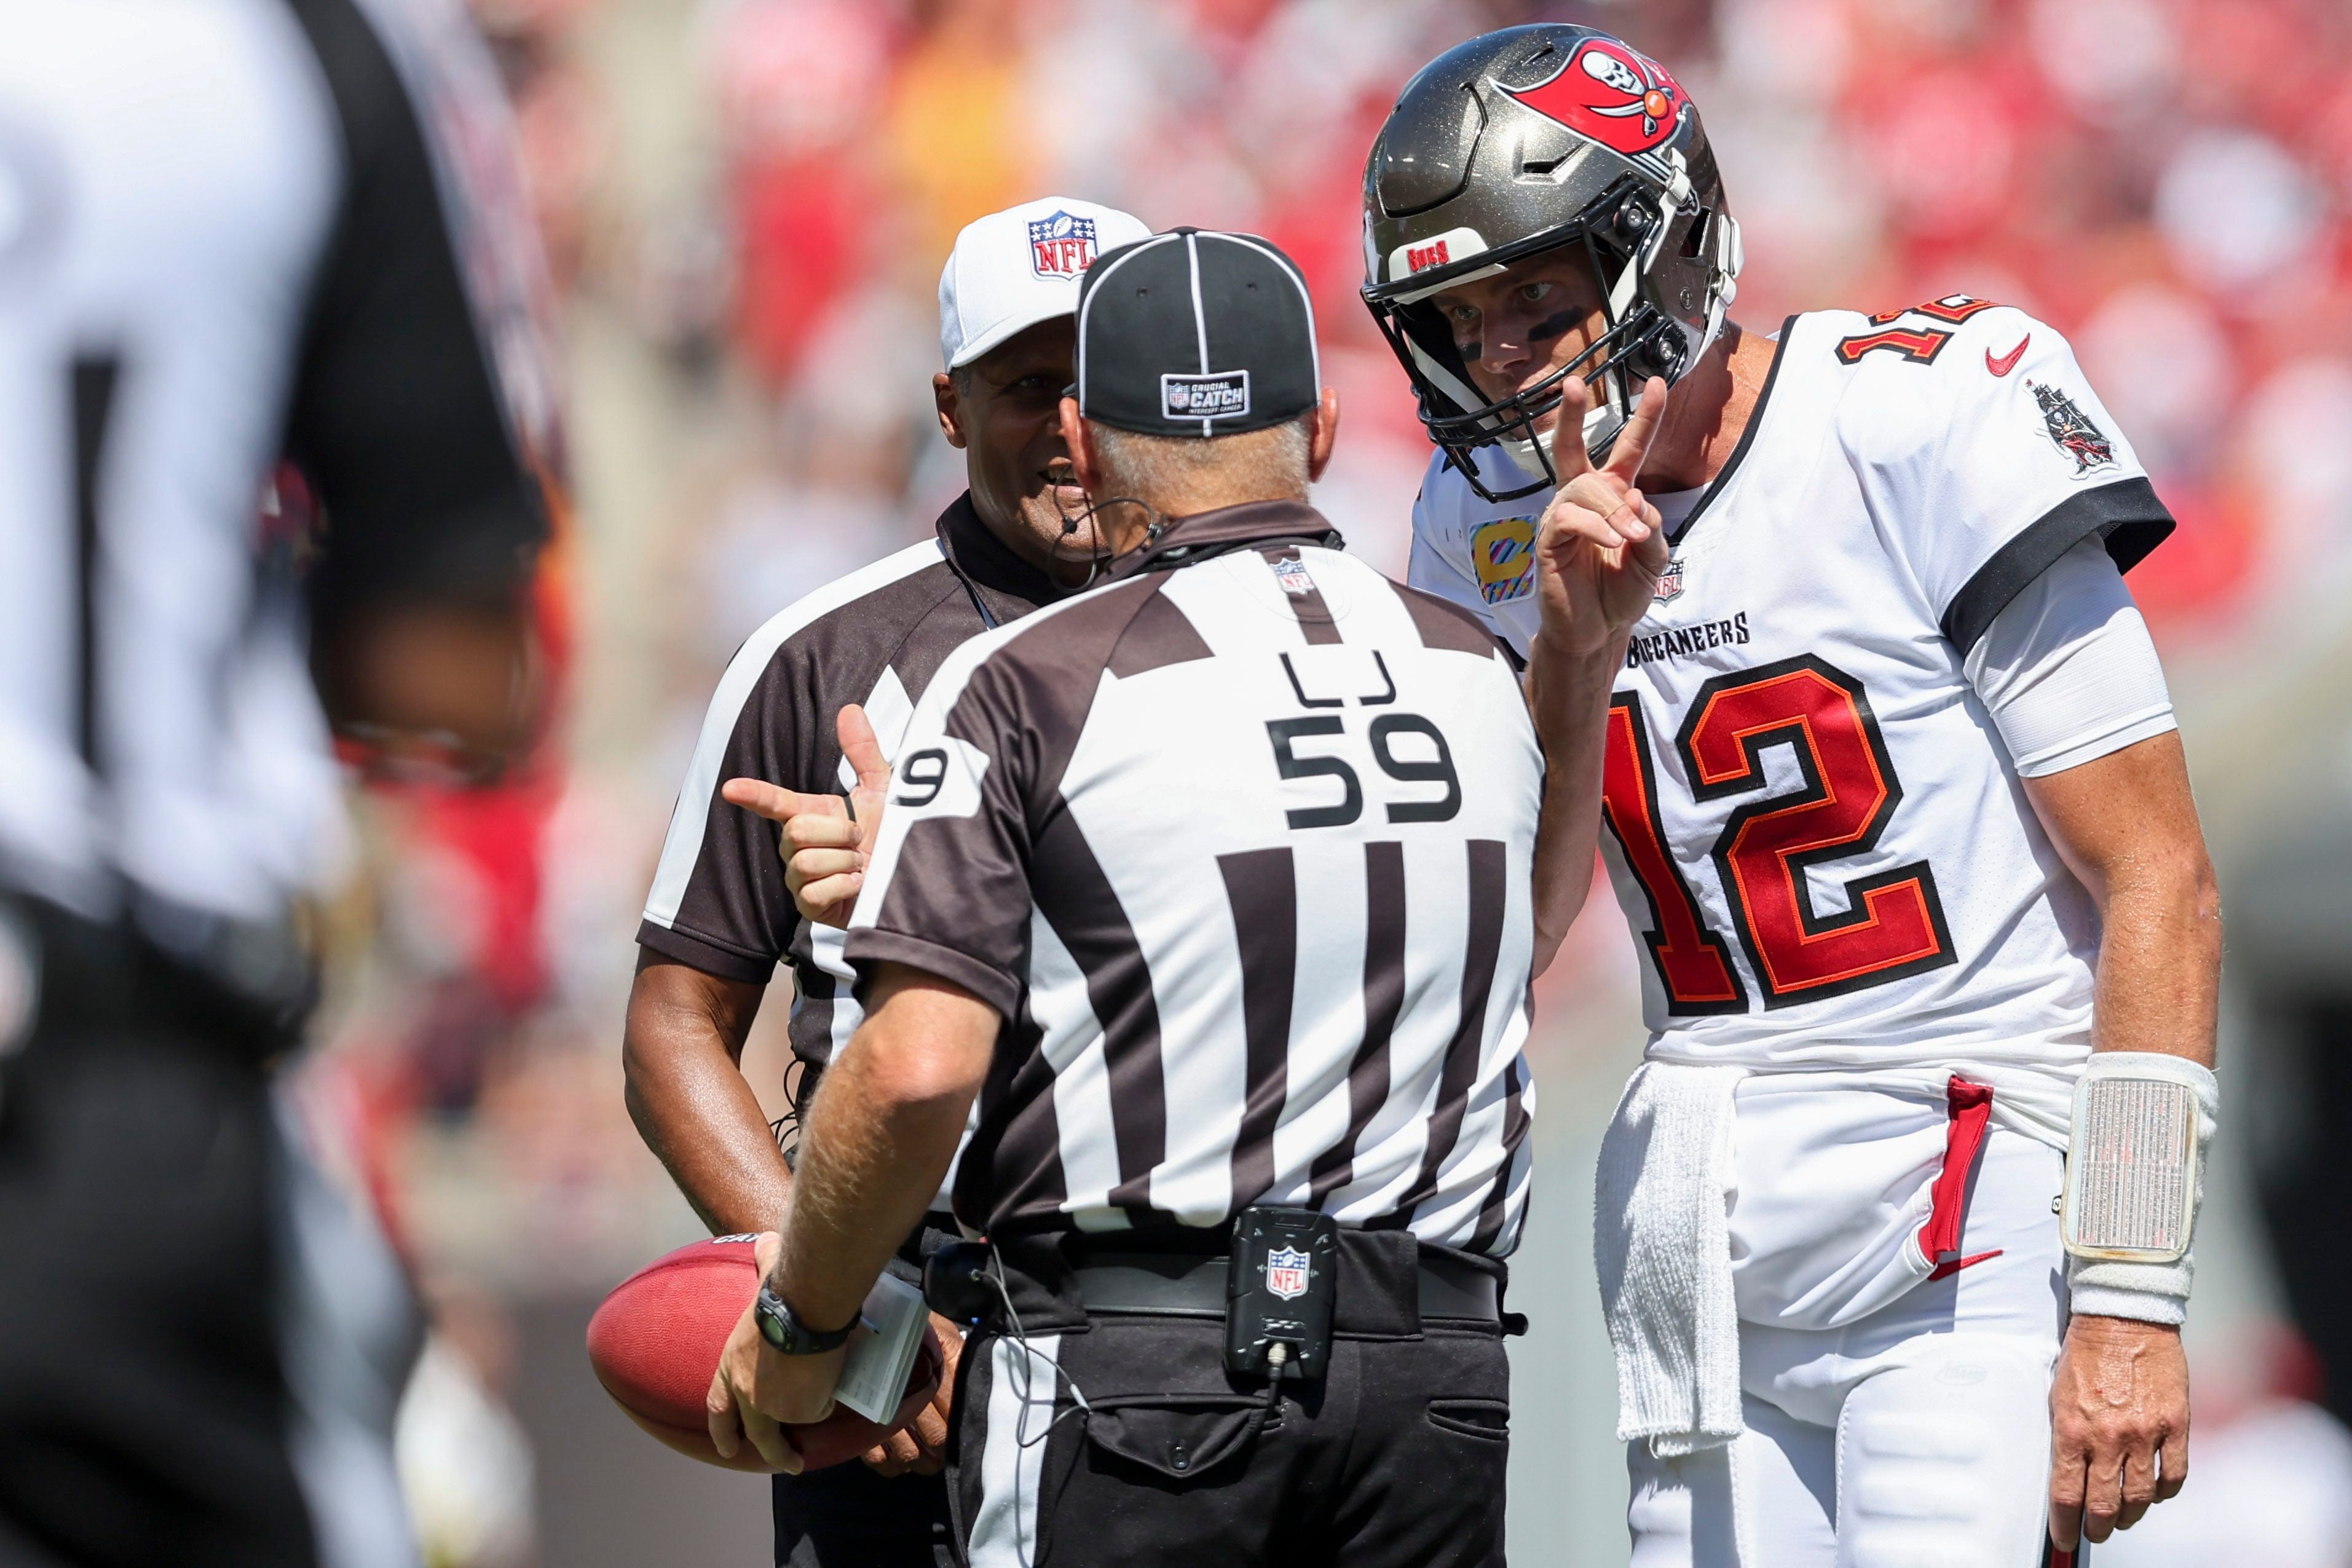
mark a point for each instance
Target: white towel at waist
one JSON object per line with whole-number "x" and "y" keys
{"x": 1662, "y": 1247}
{"x": 1661, "y": 1235}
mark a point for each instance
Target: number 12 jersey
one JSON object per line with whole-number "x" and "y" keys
{"x": 1815, "y": 829}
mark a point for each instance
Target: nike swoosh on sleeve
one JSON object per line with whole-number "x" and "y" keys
{"x": 2007, "y": 362}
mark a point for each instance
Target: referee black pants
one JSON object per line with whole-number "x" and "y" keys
{"x": 144, "y": 1407}
{"x": 1395, "y": 1461}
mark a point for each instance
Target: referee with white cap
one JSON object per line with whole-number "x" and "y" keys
{"x": 816, "y": 699}
{"x": 1203, "y": 911}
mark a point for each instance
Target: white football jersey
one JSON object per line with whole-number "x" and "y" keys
{"x": 1815, "y": 830}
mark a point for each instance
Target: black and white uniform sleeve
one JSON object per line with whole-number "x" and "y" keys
{"x": 2066, "y": 669}
{"x": 948, "y": 890}
{"x": 719, "y": 903}
{"x": 1988, "y": 468}
{"x": 400, "y": 415}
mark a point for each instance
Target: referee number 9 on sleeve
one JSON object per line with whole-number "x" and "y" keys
{"x": 1407, "y": 747}
{"x": 920, "y": 777}
{"x": 941, "y": 781}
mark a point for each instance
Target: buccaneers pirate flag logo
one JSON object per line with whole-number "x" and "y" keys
{"x": 1604, "y": 90}
{"x": 2071, "y": 430}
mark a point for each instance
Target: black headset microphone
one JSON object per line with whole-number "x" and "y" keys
{"x": 1099, "y": 558}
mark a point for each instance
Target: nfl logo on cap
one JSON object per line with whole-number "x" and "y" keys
{"x": 1061, "y": 244}
{"x": 1285, "y": 1272}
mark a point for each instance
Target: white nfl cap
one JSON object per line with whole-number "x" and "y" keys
{"x": 1012, "y": 269}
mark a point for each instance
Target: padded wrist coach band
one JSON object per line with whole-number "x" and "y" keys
{"x": 2134, "y": 1177}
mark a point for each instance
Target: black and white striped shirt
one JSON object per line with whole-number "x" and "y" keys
{"x": 232, "y": 230}
{"x": 875, "y": 637}
{"x": 1240, "y": 847}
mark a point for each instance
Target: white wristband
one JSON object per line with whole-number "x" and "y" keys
{"x": 2148, "y": 1292}
{"x": 2134, "y": 1177}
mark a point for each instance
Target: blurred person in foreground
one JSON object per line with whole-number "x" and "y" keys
{"x": 1897, "y": 806}
{"x": 805, "y": 721}
{"x": 1197, "y": 940}
{"x": 230, "y": 230}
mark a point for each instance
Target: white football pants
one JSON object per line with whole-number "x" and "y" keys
{"x": 1916, "y": 1436}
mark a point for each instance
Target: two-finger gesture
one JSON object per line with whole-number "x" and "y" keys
{"x": 1601, "y": 546}
{"x": 824, "y": 840}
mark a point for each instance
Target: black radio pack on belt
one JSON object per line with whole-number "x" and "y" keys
{"x": 956, "y": 1282}
{"x": 1279, "y": 1285}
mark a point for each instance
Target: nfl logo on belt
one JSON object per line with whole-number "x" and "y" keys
{"x": 1061, "y": 244}
{"x": 1285, "y": 1272}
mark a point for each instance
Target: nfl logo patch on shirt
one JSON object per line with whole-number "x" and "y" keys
{"x": 1225, "y": 395}
{"x": 1061, "y": 244}
{"x": 1285, "y": 1272}
{"x": 1292, "y": 574}
{"x": 1670, "y": 582}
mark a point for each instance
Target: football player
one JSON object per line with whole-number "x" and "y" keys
{"x": 1896, "y": 808}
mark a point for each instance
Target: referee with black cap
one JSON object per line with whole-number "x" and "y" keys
{"x": 1203, "y": 912}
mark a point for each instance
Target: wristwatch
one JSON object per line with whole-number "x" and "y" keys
{"x": 787, "y": 1335}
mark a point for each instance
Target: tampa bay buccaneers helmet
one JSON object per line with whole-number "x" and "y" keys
{"x": 1524, "y": 141}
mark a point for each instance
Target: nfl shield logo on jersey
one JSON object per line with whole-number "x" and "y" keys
{"x": 1061, "y": 244}
{"x": 1670, "y": 582}
{"x": 1285, "y": 1272}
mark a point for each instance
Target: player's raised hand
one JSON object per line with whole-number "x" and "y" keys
{"x": 825, "y": 841}
{"x": 1601, "y": 546}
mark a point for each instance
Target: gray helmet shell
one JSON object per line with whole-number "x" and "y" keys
{"x": 1521, "y": 142}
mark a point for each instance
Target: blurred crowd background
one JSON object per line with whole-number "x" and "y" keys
{"x": 746, "y": 204}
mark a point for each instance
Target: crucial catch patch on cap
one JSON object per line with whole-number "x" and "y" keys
{"x": 1225, "y": 395}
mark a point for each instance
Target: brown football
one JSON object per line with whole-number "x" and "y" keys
{"x": 655, "y": 1342}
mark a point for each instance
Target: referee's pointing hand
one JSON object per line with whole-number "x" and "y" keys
{"x": 825, "y": 841}
{"x": 1601, "y": 546}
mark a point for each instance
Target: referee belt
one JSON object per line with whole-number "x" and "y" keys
{"x": 1175, "y": 1286}
{"x": 1387, "y": 1281}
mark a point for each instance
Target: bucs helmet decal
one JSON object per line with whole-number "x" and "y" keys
{"x": 1640, "y": 106}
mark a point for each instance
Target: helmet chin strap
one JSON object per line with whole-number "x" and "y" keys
{"x": 1729, "y": 256}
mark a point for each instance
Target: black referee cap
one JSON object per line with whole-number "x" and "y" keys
{"x": 1194, "y": 332}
